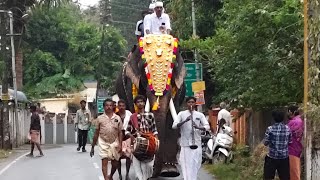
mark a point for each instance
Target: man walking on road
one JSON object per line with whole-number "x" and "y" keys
{"x": 82, "y": 124}
{"x": 191, "y": 123}
{"x": 126, "y": 144}
{"x": 35, "y": 129}
{"x": 109, "y": 133}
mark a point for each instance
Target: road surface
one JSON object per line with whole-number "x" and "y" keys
{"x": 64, "y": 163}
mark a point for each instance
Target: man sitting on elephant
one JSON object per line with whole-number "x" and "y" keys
{"x": 157, "y": 22}
{"x": 140, "y": 25}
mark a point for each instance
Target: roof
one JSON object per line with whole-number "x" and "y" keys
{"x": 21, "y": 97}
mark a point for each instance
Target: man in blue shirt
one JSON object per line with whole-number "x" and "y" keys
{"x": 277, "y": 138}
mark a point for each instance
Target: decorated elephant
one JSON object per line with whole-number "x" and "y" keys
{"x": 156, "y": 70}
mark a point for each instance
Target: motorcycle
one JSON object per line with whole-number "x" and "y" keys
{"x": 218, "y": 147}
{"x": 205, "y": 137}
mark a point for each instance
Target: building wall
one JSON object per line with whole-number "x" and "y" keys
{"x": 57, "y": 105}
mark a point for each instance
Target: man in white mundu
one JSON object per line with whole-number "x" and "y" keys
{"x": 157, "y": 22}
{"x": 126, "y": 143}
{"x": 191, "y": 123}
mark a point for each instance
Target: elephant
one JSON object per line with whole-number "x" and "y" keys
{"x": 133, "y": 73}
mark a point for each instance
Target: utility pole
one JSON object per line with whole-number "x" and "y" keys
{"x": 194, "y": 34}
{"x": 307, "y": 134}
{"x": 14, "y": 76}
{"x": 107, "y": 15}
{"x": 5, "y": 131}
{"x": 106, "y": 20}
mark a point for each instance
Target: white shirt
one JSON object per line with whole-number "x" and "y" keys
{"x": 223, "y": 113}
{"x": 137, "y": 32}
{"x": 186, "y": 129}
{"x": 152, "y": 23}
{"x": 83, "y": 119}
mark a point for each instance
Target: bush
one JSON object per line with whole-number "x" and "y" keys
{"x": 4, "y": 154}
{"x": 244, "y": 166}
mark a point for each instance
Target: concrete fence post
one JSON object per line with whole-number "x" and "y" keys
{"x": 65, "y": 126}
{"x": 42, "y": 123}
{"x": 54, "y": 125}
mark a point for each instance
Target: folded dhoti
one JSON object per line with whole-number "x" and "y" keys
{"x": 107, "y": 150}
{"x": 35, "y": 136}
{"x": 126, "y": 148}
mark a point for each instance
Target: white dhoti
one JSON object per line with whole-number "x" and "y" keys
{"x": 143, "y": 170}
{"x": 107, "y": 150}
{"x": 190, "y": 161}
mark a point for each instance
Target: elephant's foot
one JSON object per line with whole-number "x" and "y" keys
{"x": 169, "y": 170}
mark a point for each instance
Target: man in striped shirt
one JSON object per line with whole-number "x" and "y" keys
{"x": 143, "y": 122}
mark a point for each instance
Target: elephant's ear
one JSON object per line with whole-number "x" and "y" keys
{"x": 179, "y": 72}
{"x": 133, "y": 68}
{"x": 135, "y": 78}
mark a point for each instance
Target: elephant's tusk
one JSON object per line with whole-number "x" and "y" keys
{"x": 173, "y": 110}
{"x": 147, "y": 107}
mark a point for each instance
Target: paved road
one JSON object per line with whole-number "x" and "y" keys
{"x": 64, "y": 163}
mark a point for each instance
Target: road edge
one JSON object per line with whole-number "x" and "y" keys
{"x": 6, "y": 167}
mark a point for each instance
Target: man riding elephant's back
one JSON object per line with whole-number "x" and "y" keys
{"x": 157, "y": 22}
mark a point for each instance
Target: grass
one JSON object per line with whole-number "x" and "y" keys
{"x": 4, "y": 154}
{"x": 245, "y": 166}
{"x": 224, "y": 172}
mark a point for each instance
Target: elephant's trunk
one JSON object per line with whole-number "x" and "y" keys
{"x": 167, "y": 136}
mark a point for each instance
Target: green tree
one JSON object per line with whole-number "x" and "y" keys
{"x": 121, "y": 10}
{"x": 63, "y": 40}
{"x": 40, "y": 65}
{"x": 109, "y": 63}
{"x": 180, "y": 12}
{"x": 60, "y": 47}
{"x": 255, "y": 56}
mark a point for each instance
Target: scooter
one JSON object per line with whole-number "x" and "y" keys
{"x": 205, "y": 137}
{"x": 218, "y": 149}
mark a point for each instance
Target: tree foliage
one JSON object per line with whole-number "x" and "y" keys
{"x": 255, "y": 56}
{"x": 63, "y": 49}
{"x": 121, "y": 10}
{"x": 180, "y": 12}
{"x": 110, "y": 61}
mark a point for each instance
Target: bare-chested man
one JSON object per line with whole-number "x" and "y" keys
{"x": 109, "y": 133}
{"x": 126, "y": 144}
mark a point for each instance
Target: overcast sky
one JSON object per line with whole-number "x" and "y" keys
{"x": 85, "y": 3}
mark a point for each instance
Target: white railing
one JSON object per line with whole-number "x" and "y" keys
{"x": 24, "y": 119}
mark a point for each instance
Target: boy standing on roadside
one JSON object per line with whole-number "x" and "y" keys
{"x": 277, "y": 138}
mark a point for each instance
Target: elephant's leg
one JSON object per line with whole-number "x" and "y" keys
{"x": 159, "y": 155}
{"x": 170, "y": 145}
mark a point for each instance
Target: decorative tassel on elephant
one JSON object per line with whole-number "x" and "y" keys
{"x": 156, "y": 70}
